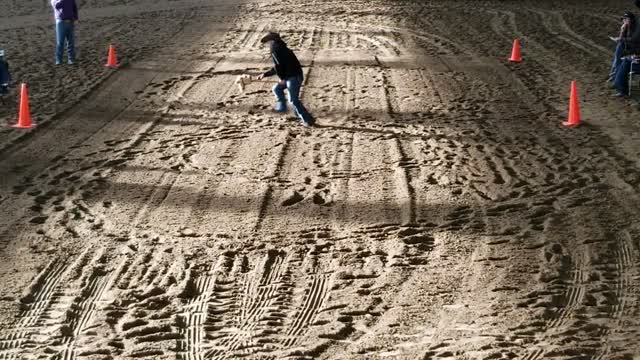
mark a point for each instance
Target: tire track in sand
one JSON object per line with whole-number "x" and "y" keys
{"x": 572, "y": 298}
{"x": 273, "y": 173}
{"x": 192, "y": 320}
{"x": 556, "y": 26}
{"x": 84, "y": 308}
{"x": 626, "y": 287}
{"x": 39, "y": 303}
{"x": 235, "y": 311}
{"x": 313, "y": 302}
{"x": 262, "y": 292}
{"x": 44, "y": 287}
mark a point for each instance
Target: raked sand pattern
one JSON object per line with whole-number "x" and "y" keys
{"x": 437, "y": 211}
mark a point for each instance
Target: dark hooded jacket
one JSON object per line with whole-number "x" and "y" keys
{"x": 285, "y": 62}
{"x": 630, "y": 38}
{"x": 632, "y": 42}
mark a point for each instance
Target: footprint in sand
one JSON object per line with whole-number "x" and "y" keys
{"x": 291, "y": 197}
{"x": 323, "y": 198}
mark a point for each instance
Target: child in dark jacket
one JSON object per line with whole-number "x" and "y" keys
{"x": 5, "y": 75}
{"x": 289, "y": 70}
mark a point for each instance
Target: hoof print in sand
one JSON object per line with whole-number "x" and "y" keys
{"x": 39, "y": 220}
{"x": 291, "y": 198}
{"x": 323, "y": 198}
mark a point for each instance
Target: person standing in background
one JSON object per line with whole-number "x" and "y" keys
{"x": 66, "y": 14}
{"x": 5, "y": 75}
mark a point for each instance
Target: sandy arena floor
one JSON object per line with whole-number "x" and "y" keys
{"x": 438, "y": 211}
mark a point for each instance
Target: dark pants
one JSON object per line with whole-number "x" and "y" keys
{"x": 5, "y": 77}
{"x": 64, "y": 33}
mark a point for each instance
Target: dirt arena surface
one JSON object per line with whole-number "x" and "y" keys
{"x": 437, "y": 211}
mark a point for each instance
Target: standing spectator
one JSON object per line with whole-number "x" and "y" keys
{"x": 66, "y": 14}
{"x": 5, "y": 75}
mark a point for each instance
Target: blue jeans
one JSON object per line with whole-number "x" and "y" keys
{"x": 617, "y": 54}
{"x": 64, "y": 32}
{"x": 621, "y": 81}
{"x": 293, "y": 85}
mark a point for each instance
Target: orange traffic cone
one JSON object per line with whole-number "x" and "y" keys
{"x": 24, "y": 116}
{"x": 574, "y": 109}
{"x": 111, "y": 58}
{"x": 515, "y": 52}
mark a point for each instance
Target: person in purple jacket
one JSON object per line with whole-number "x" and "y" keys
{"x": 66, "y": 14}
